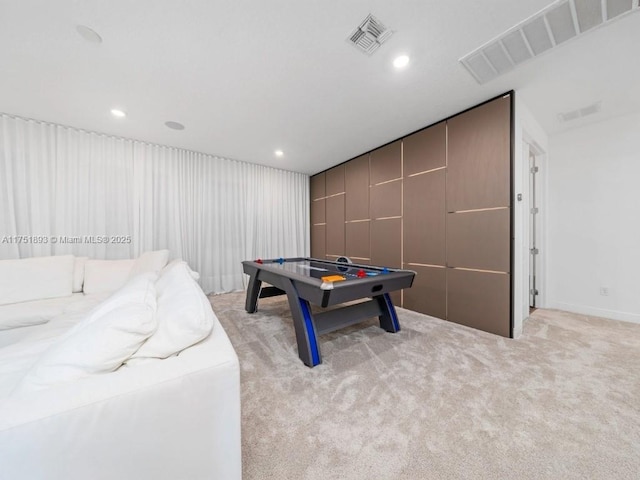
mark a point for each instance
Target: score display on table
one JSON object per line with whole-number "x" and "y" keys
{"x": 310, "y": 281}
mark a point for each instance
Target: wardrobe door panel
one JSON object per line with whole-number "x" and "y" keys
{"x": 386, "y": 200}
{"x": 479, "y": 300}
{"x": 385, "y": 163}
{"x": 357, "y": 241}
{"x": 318, "y": 241}
{"x": 478, "y": 164}
{"x": 357, "y": 188}
{"x": 335, "y": 180}
{"x": 428, "y": 294}
{"x": 424, "y": 219}
{"x": 425, "y": 150}
{"x": 335, "y": 225}
{"x": 386, "y": 242}
{"x": 318, "y": 211}
{"x": 317, "y": 189}
{"x": 479, "y": 240}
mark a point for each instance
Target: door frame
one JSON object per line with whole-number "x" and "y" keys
{"x": 531, "y": 146}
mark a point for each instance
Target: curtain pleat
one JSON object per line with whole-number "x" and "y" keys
{"x": 78, "y": 188}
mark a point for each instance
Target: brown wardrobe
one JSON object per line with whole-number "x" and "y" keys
{"x": 438, "y": 202}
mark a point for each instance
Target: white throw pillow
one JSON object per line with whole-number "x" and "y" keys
{"x": 184, "y": 314}
{"x": 150, "y": 262}
{"x": 175, "y": 263}
{"x": 107, "y": 336}
{"x": 35, "y": 278}
{"x": 106, "y": 275}
{"x": 78, "y": 273}
{"x": 133, "y": 291}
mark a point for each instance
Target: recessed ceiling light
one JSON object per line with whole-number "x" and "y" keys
{"x": 174, "y": 125}
{"x": 116, "y": 112}
{"x": 401, "y": 61}
{"x": 88, "y": 34}
{"x": 279, "y": 153}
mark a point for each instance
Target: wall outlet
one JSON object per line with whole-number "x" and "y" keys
{"x": 604, "y": 291}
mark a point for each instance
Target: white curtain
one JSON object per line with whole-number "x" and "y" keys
{"x": 65, "y": 190}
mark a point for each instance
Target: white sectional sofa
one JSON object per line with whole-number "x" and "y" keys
{"x": 131, "y": 377}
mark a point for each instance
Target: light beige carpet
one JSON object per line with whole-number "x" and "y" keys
{"x": 438, "y": 400}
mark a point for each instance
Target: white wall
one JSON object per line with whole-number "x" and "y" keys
{"x": 528, "y": 134}
{"x": 593, "y": 223}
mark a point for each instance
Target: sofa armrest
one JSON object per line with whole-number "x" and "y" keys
{"x": 174, "y": 418}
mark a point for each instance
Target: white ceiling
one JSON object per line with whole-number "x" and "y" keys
{"x": 249, "y": 77}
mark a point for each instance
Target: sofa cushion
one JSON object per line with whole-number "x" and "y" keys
{"x": 106, "y": 275}
{"x": 184, "y": 314}
{"x": 35, "y": 312}
{"x": 150, "y": 262}
{"x": 78, "y": 273}
{"x": 15, "y": 362}
{"x": 101, "y": 341}
{"x": 35, "y": 278}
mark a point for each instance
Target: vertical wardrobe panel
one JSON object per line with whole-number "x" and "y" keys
{"x": 425, "y": 150}
{"x": 385, "y": 163}
{"x": 386, "y": 199}
{"x": 357, "y": 188}
{"x": 318, "y": 241}
{"x": 318, "y": 230}
{"x": 479, "y": 232}
{"x": 479, "y": 164}
{"x": 318, "y": 211}
{"x": 386, "y": 242}
{"x": 386, "y": 247}
{"x": 318, "y": 186}
{"x": 357, "y": 217}
{"x": 335, "y": 211}
{"x": 357, "y": 241}
{"x": 334, "y": 180}
{"x": 479, "y": 240}
{"x": 429, "y": 291}
{"x": 335, "y": 225}
{"x": 424, "y": 219}
{"x": 479, "y": 300}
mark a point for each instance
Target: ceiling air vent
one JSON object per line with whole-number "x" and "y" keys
{"x": 580, "y": 112}
{"x": 547, "y": 29}
{"x": 370, "y": 35}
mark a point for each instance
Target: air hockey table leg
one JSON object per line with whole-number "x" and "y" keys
{"x": 388, "y": 318}
{"x": 253, "y": 290}
{"x": 305, "y": 328}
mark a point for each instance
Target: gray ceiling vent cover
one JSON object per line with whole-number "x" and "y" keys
{"x": 561, "y": 21}
{"x": 370, "y": 35}
{"x": 580, "y": 112}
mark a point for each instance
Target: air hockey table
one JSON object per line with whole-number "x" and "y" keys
{"x": 310, "y": 281}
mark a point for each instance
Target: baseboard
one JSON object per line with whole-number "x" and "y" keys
{"x": 596, "y": 312}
